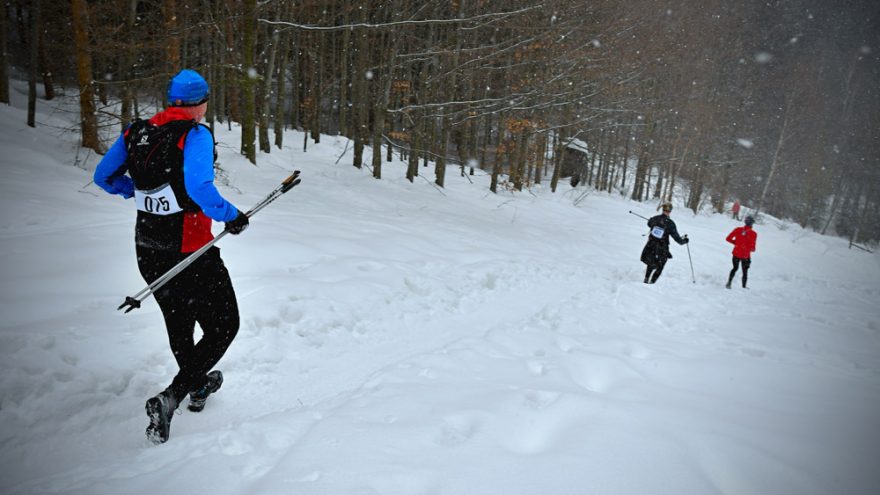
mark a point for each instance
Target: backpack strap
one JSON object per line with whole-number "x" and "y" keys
{"x": 194, "y": 125}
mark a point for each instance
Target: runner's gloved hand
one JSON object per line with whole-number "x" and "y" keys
{"x": 238, "y": 224}
{"x": 686, "y": 240}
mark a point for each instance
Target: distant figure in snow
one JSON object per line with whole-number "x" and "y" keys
{"x": 656, "y": 251}
{"x": 735, "y": 210}
{"x": 169, "y": 160}
{"x": 743, "y": 240}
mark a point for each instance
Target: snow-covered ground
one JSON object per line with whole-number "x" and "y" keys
{"x": 397, "y": 339}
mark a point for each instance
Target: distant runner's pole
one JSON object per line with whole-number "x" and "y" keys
{"x": 688, "y": 246}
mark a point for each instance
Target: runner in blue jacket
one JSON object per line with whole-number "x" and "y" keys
{"x": 166, "y": 164}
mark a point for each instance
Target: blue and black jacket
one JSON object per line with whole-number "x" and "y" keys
{"x": 169, "y": 162}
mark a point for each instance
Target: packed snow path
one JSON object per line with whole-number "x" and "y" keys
{"x": 400, "y": 340}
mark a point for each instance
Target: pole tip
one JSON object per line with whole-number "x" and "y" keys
{"x": 131, "y": 302}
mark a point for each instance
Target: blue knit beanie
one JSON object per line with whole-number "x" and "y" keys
{"x": 187, "y": 89}
{"x": 749, "y": 220}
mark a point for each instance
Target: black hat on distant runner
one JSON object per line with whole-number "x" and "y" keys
{"x": 749, "y": 220}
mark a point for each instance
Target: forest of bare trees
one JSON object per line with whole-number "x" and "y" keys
{"x": 775, "y": 103}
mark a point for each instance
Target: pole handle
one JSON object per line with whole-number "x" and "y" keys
{"x": 288, "y": 183}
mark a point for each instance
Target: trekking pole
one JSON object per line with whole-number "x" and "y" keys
{"x": 688, "y": 246}
{"x": 636, "y": 214}
{"x": 135, "y": 301}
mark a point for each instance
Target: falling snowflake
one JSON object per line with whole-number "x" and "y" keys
{"x": 745, "y": 143}
{"x": 763, "y": 57}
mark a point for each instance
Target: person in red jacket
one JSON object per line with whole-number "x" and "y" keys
{"x": 743, "y": 240}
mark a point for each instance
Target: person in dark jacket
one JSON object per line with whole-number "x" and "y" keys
{"x": 166, "y": 164}
{"x": 744, "y": 240}
{"x": 656, "y": 250}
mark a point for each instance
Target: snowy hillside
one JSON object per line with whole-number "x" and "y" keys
{"x": 398, "y": 339}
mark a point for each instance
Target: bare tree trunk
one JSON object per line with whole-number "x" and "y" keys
{"x": 673, "y": 168}
{"x": 640, "y": 178}
{"x": 360, "y": 101}
{"x": 775, "y": 163}
{"x": 183, "y": 41}
{"x": 128, "y": 69}
{"x": 382, "y": 89}
{"x": 412, "y": 168}
{"x": 317, "y": 79}
{"x": 451, "y": 94}
{"x": 558, "y": 157}
{"x": 265, "y": 146}
{"x": 389, "y": 127}
{"x": 611, "y": 162}
{"x": 412, "y": 159}
{"x": 296, "y": 41}
{"x": 497, "y": 158}
{"x": 233, "y": 76}
{"x": 88, "y": 120}
{"x": 248, "y": 131}
{"x": 45, "y": 67}
{"x": 344, "y": 55}
{"x": 696, "y": 192}
{"x": 835, "y": 204}
{"x": 4, "y": 75}
{"x": 172, "y": 47}
{"x": 217, "y": 108}
{"x": 542, "y": 154}
{"x": 856, "y": 235}
{"x": 521, "y": 158}
{"x": 440, "y": 159}
{"x": 658, "y": 187}
{"x": 625, "y": 160}
{"x": 280, "y": 95}
{"x": 35, "y": 50}
{"x": 595, "y": 153}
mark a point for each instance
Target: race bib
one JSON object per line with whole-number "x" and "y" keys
{"x": 159, "y": 201}
{"x": 658, "y": 232}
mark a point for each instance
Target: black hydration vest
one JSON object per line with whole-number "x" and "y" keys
{"x": 155, "y": 164}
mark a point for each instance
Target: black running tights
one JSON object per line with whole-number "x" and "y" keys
{"x": 657, "y": 269}
{"x": 746, "y": 262}
{"x": 201, "y": 293}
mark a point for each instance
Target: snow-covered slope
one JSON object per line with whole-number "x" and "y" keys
{"x": 398, "y": 339}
